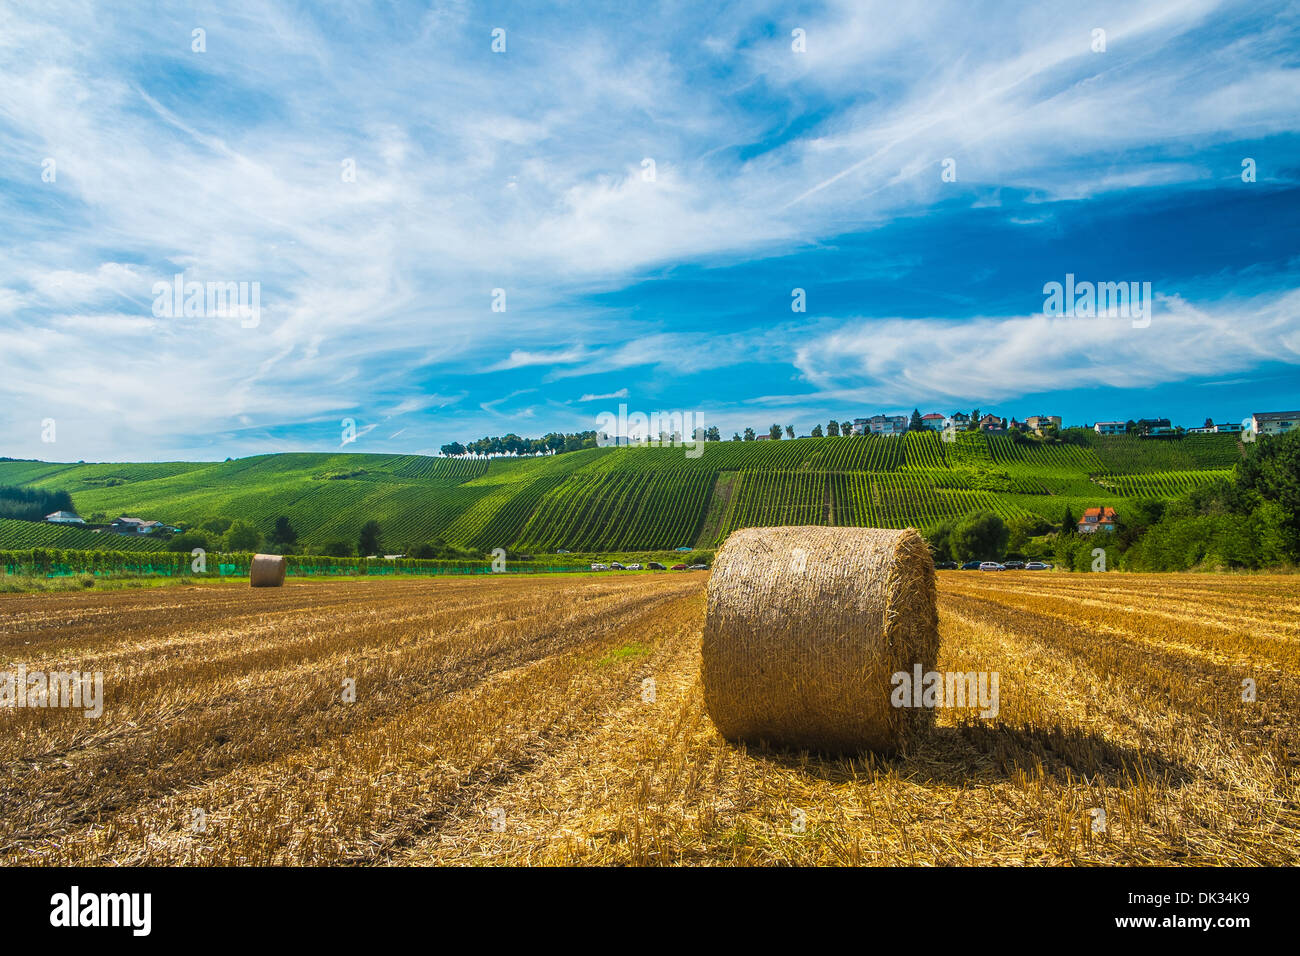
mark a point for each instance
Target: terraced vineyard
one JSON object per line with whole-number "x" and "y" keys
{"x": 20, "y": 535}
{"x": 636, "y": 498}
{"x": 1162, "y": 484}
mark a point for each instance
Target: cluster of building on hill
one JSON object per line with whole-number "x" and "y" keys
{"x": 1261, "y": 423}
{"x": 122, "y": 525}
{"x": 958, "y": 421}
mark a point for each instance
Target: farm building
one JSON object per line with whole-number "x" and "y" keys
{"x": 934, "y": 421}
{"x": 65, "y": 517}
{"x": 1097, "y": 519}
{"x": 1110, "y": 428}
{"x": 125, "y": 525}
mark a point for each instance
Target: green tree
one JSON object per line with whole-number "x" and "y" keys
{"x": 242, "y": 536}
{"x": 1068, "y": 523}
{"x": 789, "y": 431}
{"x": 981, "y": 536}
{"x": 188, "y": 541}
{"x": 1271, "y": 469}
{"x": 749, "y": 434}
{"x": 1020, "y": 528}
{"x": 774, "y": 432}
{"x": 368, "y": 542}
{"x": 712, "y": 434}
{"x": 283, "y": 533}
{"x": 337, "y": 548}
{"x": 846, "y": 428}
{"x": 833, "y": 429}
{"x": 916, "y": 425}
{"x": 817, "y": 431}
{"x": 940, "y": 541}
{"x": 736, "y": 436}
{"x": 216, "y": 526}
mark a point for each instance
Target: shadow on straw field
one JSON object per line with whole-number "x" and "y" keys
{"x": 990, "y": 752}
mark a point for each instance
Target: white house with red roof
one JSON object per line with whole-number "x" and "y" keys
{"x": 1097, "y": 519}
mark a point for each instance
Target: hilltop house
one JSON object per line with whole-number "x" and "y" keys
{"x": 1154, "y": 426}
{"x": 957, "y": 421}
{"x": 887, "y": 424}
{"x": 65, "y": 517}
{"x": 1209, "y": 428}
{"x": 861, "y": 426}
{"x": 990, "y": 423}
{"x": 1037, "y": 423}
{"x": 1274, "y": 423}
{"x": 934, "y": 421}
{"x": 1097, "y": 519}
{"x": 1110, "y": 428}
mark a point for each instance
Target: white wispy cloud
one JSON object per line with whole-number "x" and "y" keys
{"x": 887, "y": 361}
{"x": 621, "y": 393}
{"x": 524, "y": 171}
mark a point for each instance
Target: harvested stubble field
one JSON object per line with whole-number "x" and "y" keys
{"x": 508, "y": 721}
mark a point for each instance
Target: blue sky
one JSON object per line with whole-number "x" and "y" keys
{"x": 127, "y": 156}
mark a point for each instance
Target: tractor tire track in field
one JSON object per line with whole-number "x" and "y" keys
{"x": 503, "y": 721}
{"x": 59, "y": 773}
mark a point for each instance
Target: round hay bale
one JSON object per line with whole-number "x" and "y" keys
{"x": 266, "y": 571}
{"x": 806, "y": 627}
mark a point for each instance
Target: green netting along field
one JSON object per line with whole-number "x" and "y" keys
{"x": 631, "y": 498}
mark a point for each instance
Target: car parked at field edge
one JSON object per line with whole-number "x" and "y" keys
{"x": 991, "y": 566}
{"x": 656, "y": 566}
{"x": 698, "y": 567}
{"x": 615, "y": 566}
{"x": 1013, "y": 565}
{"x": 971, "y": 566}
{"x": 600, "y": 567}
{"x": 1038, "y": 566}
{"x": 679, "y": 567}
{"x": 946, "y": 566}
{"x": 634, "y": 567}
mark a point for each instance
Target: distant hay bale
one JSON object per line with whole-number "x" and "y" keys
{"x": 804, "y": 630}
{"x": 266, "y": 571}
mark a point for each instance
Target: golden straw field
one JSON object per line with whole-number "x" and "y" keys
{"x": 521, "y": 720}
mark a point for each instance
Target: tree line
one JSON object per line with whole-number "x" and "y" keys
{"x": 512, "y": 444}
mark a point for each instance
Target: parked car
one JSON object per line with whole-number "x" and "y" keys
{"x": 600, "y": 567}
{"x": 679, "y": 567}
{"x": 991, "y": 566}
{"x": 634, "y": 567}
{"x": 1013, "y": 565}
{"x": 699, "y": 567}
{"x": 946, "y": 566}
{"x": 656, "y": 566}
{"x": 971, "y": 566}
{"x": 1037, "y": 566}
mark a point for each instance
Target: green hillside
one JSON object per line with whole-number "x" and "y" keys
{"x": 635, "y": 498}
{"x": 20, "y": 535}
